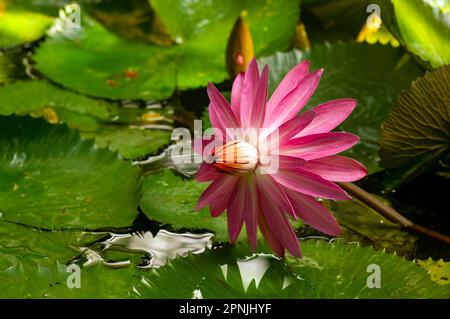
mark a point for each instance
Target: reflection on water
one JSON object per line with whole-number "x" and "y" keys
{"x": 164, "y": 246}
{"x": 253, "y": 268}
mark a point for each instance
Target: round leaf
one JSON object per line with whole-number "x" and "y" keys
{"x": 53, "y": 179}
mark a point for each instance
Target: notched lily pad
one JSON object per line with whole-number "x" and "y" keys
{"x": 133, "y": 132}
{"x": 109, "y": 66}
{"x": 51, "y": 178}
{"x": 416, "y": 133}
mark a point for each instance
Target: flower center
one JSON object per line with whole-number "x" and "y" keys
{"x": 236, "y": 157}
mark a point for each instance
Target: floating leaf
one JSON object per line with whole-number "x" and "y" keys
{"x": 439, "y": 270}
{"x": 100, "y": 59}
{"x": 122, "y": 130}
{"x": 33, "y": 264}
{"x": 170, "y": 199}
{"x": 326, "y": 271}
{"x": 53, "y": 179}
{"x": 353, "y": 70}
{"x": 422, "y": 26}
{"x": 19, "y": 27}
{"x": 416, "y": 133}
{"x": 345, "y": 274}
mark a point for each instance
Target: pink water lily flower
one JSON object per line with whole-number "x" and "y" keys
{"x": 308, "y": 166}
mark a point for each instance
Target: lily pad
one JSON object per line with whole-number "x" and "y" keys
{"x": 233, "y": 273}
{"x": 120, "y": 129}
{"x": 439, "y": 270}
{"x": 168, "y": 198}
{"x": 422, "y": 26}
{"x": 34, "y": 264}
{"x": 346, "y": 274}
{"x": 416, "y": 133}
{"x": 353, "y": 70}
{"x": 19, "y": 27}
{"x": 108, "y": 66}
{"x": 51, "y": 178}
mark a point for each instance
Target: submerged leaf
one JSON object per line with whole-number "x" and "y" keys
{"x": 416, "y": 133}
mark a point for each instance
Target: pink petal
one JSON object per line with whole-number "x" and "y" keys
{"x": 256, "y": 118}
{"x": 236, "y": 92}
{"x": 269, "y": 188}
{"x": 220, "y": 112}
{"x": 206, "y": 173}
{"x": 290, "y": 162}
{"x": 217, "y": 191}
{"x": 313, "y": 213}
{"x": 270, "y": 237}
{"x": 251, "y": 80}
{"x": 289, "y": 83}
{"x": 235, "y": 213}
{"x": 329, "y": 115}
{"x": 292, "y": 127}
{"x": 199, "y": 144}
{"x": 279, "y": 225}
{"x": 303, "y": 181}
{"x": 337, "y": 168}
{"x": 294, "y": 101}
{"x": 318, "y": 145}
{"x": 243, "y": 206}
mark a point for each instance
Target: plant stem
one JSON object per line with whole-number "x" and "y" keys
{"x": 389, "y": 212}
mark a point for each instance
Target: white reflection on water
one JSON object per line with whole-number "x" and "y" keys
{"x": 164, "y": 246}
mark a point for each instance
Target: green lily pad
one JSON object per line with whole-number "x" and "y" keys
{"x": 19, "y": 27}
{"x": 52, "y": 178}
{"x": 120, "y": 129}
{"x": 327, "y": 270}
{"x": 168, "y": 198}
{"x": 439, "y": 270}
{"x": 353, "y": 70}
{"x": 33, "y": 264}
{"x": 346, "y": 273}
{"x": 422, "y": 26}
{"x": 416, "y": 133}
{"x": 109, "y": 66}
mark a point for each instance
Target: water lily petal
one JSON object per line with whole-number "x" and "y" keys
{"x": 258, "y": 112}
{"x": 244, "y": 206}
{"x": 337, "y": 168}
{"x": 329, "y": 115}
{"x": 236, "y": 92}
{"x": 278, "y": 224}
{"x": 251, "y": 80}
{"x": 294, "y": 101}
{"x": 220, "y": 112}
{"x": 303, "y": 181}
{"x": 318, "y": 145}
{"x": 206, "y": 173}
{"x": 313, "y": 213}
{"x": 267, "y": 186}
{"x": 216, "y": 191}
{"x": 289, "y": 83}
